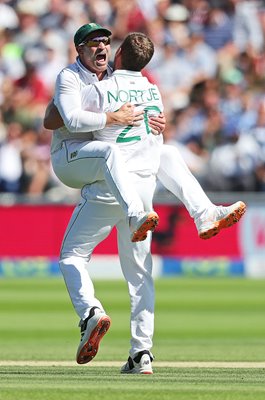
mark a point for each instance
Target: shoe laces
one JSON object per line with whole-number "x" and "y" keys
{"x": 221, "y": 211}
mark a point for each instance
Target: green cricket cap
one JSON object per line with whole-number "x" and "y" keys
{"x": 86, "y": 29}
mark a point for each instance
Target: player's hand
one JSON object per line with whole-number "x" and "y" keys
{"x": 138, "y": 117}
{"x": 126, "y": 115}
{"x": 157, "y": 124}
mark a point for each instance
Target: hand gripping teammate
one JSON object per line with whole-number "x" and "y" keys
{"x": 91, "y": 66}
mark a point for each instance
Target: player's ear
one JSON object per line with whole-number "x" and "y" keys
{"x": 80, "y": 49}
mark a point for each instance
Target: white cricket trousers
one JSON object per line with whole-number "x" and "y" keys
{"x": 175, "y": 175}
{"x": 78, "y": 163}
{"x": 90, "y": 224}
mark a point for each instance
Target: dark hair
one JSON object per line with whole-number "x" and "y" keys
{"x": 136, "y": 51}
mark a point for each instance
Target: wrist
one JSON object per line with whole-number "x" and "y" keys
{"x": 110, "y": 118}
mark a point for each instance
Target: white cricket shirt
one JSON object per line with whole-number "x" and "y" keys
{"x": 77, "y": 123}
{"x": 139, "y": 147}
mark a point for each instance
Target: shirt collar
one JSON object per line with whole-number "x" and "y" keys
{"x": 126, "y": 72}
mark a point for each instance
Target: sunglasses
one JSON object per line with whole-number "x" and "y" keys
{"x": 95, "y": 42}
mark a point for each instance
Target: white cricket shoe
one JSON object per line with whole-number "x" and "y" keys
{"x": 141, "y": 224}
{"x": 93, "y": 328}
{"x": 140, "y": 364}
{"x": 219, "y": 217}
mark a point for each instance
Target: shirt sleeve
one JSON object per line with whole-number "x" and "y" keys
{"x": 68, "y": 101}
{"x": 92, "y": 97}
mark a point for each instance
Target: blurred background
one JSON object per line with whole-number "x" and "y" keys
{"x": 209, "y": 64}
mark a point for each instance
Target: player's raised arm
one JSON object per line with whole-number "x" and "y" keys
{"x": 67, "y": 100}
{"x": 126, "y": 115}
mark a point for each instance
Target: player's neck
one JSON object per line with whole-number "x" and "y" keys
{"x": 101, "y": 75}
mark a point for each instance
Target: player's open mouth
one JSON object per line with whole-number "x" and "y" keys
{"x": 101, "y": 58}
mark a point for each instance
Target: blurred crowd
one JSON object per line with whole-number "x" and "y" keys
{"x": 209, "y": 64}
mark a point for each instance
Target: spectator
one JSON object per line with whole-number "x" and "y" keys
{"x": 10, "y": 160}
{"x": 242, "y": 157}
{"x": 257, "y": 132}
{"x": 30, "y": 95}
{"x": 29, "y": 32}
{"x": 11, "y": 63}
{"x": 36, "y": 160}
{"x": 247, "y": 31}
{"x": 201, "y": 56}
{"x": 8, "y": 17}
{"x": 218, "y": 28}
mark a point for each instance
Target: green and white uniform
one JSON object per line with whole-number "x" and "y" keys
{"x": 98, "y": 212}
{"x": 139, "y": 148}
